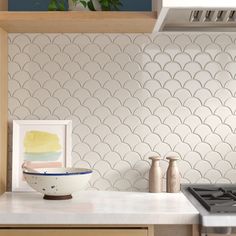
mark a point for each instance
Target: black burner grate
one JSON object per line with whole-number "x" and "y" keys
{"x": 216, "y": 199}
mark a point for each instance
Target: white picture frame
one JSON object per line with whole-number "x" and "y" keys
{"x": 57, "y": 131}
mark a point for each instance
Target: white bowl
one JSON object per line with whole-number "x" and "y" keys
{"x": 57, "y": 183}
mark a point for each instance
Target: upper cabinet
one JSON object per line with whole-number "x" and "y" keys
{"x": 31, "y": 16}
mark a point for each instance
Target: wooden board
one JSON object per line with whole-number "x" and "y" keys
{"x": 3, "y": 5}
{"x": 3, "y": 108}
{"x": 77, "y": 22}
{"x": 76, "y": 232}
{"x": 195, "y": 230}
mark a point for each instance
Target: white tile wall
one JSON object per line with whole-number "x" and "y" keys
{"x": 131, "y": 96}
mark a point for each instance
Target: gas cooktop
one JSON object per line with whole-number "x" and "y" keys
{"x": 216, "y": 204}
{"x": 216, "y": 199}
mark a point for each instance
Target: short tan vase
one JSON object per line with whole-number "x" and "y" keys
{"x": 173, "y": 176}
{"x": 155, "y": 175}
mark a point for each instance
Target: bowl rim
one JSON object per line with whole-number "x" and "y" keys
{"x": 80, "y": 171}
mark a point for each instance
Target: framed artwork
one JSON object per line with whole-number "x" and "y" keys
{"x": 39, "y": 144}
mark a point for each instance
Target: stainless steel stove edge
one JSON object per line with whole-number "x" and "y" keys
{"x": 211, "y": 223}
{"x": 218, "y": 230}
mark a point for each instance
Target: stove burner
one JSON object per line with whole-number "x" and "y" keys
{"x": 216, "y": 199}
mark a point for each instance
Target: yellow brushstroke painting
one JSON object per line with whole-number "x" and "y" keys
{"x": 41, "y": 145}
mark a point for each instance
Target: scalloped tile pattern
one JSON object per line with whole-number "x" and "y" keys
{"x": 131, "y": 96}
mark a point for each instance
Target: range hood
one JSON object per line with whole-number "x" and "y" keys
{"x": 195, "y": 15}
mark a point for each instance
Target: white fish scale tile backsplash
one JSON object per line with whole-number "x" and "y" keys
{"x": 131, "y": 96}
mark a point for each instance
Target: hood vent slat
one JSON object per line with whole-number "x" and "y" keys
{"x": 221, "y": 16}
{"x": 232, "y": 16}
{"x": 209, "y": 15}
{"x": 195, "y": 16}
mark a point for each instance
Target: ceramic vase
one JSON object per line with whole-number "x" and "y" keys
{"x": 80, "y": 7}
{"x": 155, "y": 175}
{"x": 173, "y": 176}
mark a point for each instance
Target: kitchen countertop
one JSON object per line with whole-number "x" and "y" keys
{"x": 98, "y": 207}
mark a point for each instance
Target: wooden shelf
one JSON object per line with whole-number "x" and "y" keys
{"x": 77, "y": 22}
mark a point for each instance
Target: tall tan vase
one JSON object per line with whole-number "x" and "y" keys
{"x": 155, "y": 176}
{"x": 173, "y": 176}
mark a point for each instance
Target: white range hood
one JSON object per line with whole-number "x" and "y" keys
{"x": 195, "y": 15}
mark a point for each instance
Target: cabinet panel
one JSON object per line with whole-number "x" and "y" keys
{"x": 176, "y": 230}
{"x": 74, "y": 232}
{"x": 3, "y": 107}
{"x": 3, "y": 5}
